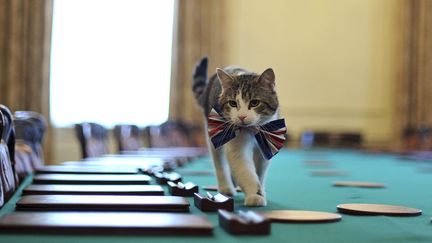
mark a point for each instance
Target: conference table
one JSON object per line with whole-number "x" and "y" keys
{"x": 302, "y": 179}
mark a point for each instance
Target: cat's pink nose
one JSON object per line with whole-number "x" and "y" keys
{"x": 242, "y": 118}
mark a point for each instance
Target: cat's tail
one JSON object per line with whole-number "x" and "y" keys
{"x": 200, "y": 78}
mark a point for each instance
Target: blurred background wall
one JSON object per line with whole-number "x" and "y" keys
{"x": 357, "y": 65}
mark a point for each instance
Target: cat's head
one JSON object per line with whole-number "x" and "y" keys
{"x": 248, "y": 99}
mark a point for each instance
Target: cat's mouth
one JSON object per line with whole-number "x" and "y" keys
{"x": 245, "y": 124}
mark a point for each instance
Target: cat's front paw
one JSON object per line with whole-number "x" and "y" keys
{"x": 227, "y": 190}
{"x": 255, "y": 201}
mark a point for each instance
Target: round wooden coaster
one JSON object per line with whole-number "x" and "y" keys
{"x": 215, "y": 188}
{"x": 299, "y": 216}
{"x": 377, "y": 209}
{"x": 358, "y": 184}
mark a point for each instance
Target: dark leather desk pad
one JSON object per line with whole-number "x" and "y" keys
{"x": 125, "y": 159}
{"x": 102, "y": 203}
{"x": 118, "y": 161}
{"x": 105, "y": 223}
{"x": 93, "y": 190}
{"x": 90, "y": 179}
{"x": 83, "y": 169}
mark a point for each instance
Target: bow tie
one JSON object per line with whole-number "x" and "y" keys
{"x": 270, "y": 136}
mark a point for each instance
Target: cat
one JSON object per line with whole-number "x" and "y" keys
{"x": 245, "y": 99}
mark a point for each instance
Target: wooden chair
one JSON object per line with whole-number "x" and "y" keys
{"x": 93, "y": 139}
{"x": 8, "y": 177}
{"x": 128, "y": 137}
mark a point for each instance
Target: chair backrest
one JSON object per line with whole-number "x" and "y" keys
{"x": 315, "y": 138}
{"x": 30, "y": 128}
{"x": 128, "y": 137}
{"x": 93, "y": 139}
{"x": 350, "y": 139}
{"x": 331, "y": 139}
{"x": 8, "y": 176}
{"x": 323, "y": 138}
{"x": 174, "y": 133}
{"x": 38, "y": 125}
{"x": 9, "y": 130}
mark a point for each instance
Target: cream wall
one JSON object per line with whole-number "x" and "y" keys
{"x": 335, "y": 60}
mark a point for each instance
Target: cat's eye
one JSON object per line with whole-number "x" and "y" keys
{"x": 232, "y": 103}
{"x": 254, "y": 103}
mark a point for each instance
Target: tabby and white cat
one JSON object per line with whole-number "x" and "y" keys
{"x": 245, "y": 99}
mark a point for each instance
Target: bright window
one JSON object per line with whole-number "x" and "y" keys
{"x": 111, "y": 61}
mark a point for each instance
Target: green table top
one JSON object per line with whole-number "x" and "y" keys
{"x": 290, "y": 185}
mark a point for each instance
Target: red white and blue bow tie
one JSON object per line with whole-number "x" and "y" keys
{"x": 270, "y": 136}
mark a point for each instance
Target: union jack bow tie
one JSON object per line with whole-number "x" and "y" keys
{"x": 270, "y": 136}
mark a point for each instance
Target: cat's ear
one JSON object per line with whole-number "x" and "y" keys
{"x": 224, "y": 78}
{"x": 268, "y": 77}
